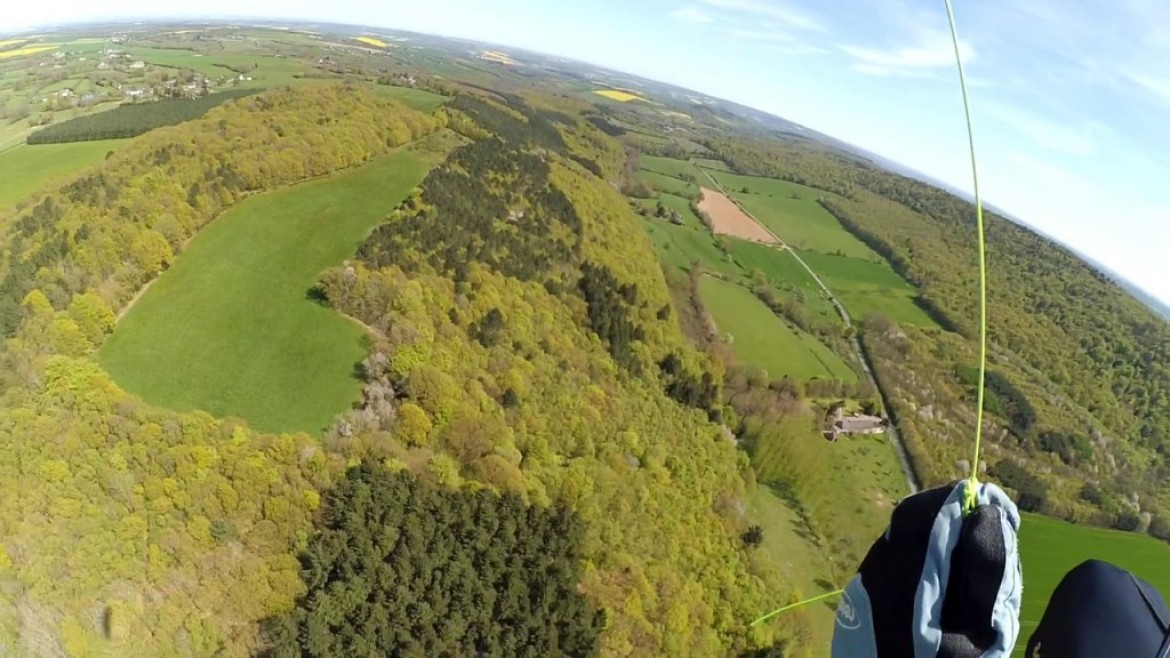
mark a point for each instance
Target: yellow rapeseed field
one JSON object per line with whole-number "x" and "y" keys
{"x": 371, "y": 41}
{"x": 620, "y": 96}
{"x": 27, "y": 50}
{"x": 498, "y": 57}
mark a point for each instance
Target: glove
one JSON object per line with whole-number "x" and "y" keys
{"x": 937, "y": 584}
{"x": 1101, "y": 611}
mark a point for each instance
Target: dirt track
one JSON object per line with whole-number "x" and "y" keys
{"x": 728, "y": 219}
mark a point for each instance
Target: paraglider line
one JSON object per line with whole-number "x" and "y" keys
{"x": 798, "y": 604}
{"x": 970, "y": 501}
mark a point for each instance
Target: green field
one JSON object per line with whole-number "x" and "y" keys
{"x": 265, "y": 70}
{"x": 788, "y": 278}
{"x": 863, "y": 282}
{"x": 683, "y": 207}
{"x": 24, "y": 168}
{"x": 791, "y": 211}
{"x": 849, "y": 271}
{"x": 1050, "y": 548}
{"x": 229, "y": 328}
{"x": 716, "y": 165}
{"x": 868, "y": 287}
{"x": 681, "y": 246}
{"x": 860, "y": 479}
{"x": 668, "y": 184}
{"x": 668, "y": 166}
{"x": 792, "y": 552}
{"x": 419, "y": 99}
{"x": 762, "y": 339}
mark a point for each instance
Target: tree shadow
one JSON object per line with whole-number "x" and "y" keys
{"x": 824, "y": 584}
{"x": 800, "y": 530}
{"x": 316, "y": 295}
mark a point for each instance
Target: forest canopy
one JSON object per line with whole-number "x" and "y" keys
{"x": 402, "y": 568}
{"x": 555, "y": 385}
{"x": 133, "y": 119}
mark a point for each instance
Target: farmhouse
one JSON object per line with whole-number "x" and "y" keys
{"x": 853, "y": 424}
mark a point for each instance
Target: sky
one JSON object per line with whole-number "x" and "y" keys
{"x": 1071, "y": 98}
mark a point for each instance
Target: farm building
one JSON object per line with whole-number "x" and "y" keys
{"x": 853, "y": 424}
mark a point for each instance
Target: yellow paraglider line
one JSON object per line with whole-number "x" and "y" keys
{"x": 796, "y": 605}
{"x": 971, "y": 500}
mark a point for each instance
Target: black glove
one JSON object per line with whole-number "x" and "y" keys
{"x": 1100, "y": 611}
{"x": 937, "y": 584}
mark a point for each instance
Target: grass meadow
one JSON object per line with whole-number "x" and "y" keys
{"x": 265, "y": 70}
{"x": 1049, "y": 548}
{"x": 668, "y": 184}
{"x": 24, "y": 169}
{"x": 681, "y": 246}
{"x": 761, "y": 338}
{"x": 419, "y": 99}
{"x": 791, "y": 211}
{"x": 787, "y": 277}
{"x": 849, "y": 487}
{"x": 869, "y": 287}
{"x": 230, "y": 329}
{"x": 669, "y": 166}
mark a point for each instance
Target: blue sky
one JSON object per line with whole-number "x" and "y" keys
{"x": 1071, "y": 97}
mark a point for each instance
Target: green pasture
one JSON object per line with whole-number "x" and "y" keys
{"x": 762, "y": 339}
{"x": 898, "y": 307}
{"x": 419, "y": 99}
{"x": 265, "y": 70}
{"x": 230, "y": 328}
{"x": 24, "y": 169}
{"x": 668, "y": 166}
{"x": 868, "y": 287}
{"x": 787, "y": 276}
{"x": 857, "y": 482}
{"x": 715, "y": 165}
{"x": 668, "y": 184}
{"x": 793, "y": 553}
{"x": 682, "y": 206}
{"x": 791, "y": 211}
{"x": 855, "y": 272}
{"x": 1050, "y": 548}
{"x": 681, "y": 246}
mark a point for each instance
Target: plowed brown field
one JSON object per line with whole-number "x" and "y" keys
{"x": 728, "y": 219}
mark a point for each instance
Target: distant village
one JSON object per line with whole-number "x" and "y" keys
{"x": 119, "y": 76}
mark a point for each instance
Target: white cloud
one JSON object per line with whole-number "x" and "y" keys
{"x": 1051, "y": 134}
{"x": 883, "y": 71}
{"x": 773, "y": 9}
{"x": 758, "y": 34}
{"x": 1159, "y": 87}
{"x": 932, "y": 49}
{"x": 794, "y": 49}
{"x": 692, "y": 15}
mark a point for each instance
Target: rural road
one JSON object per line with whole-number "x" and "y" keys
{"x": 895, "y": 437}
